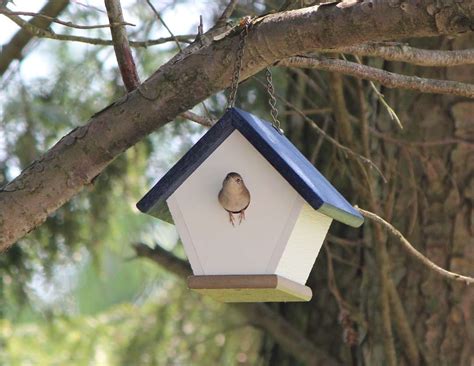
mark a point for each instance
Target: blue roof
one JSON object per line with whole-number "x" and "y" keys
{"x": 275, "y": 148}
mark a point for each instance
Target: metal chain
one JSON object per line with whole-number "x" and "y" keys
{"x": 272, "y": 101}
{"x": 238, "y": 63}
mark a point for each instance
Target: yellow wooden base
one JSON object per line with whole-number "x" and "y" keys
{"x": 249, "y": 288}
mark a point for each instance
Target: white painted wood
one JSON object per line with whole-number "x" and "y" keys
{"x": 186, "y": 238}
{"x": 304, "y": 244}
{"x": 204, "y": 225}
{"x": 285, "y": 235}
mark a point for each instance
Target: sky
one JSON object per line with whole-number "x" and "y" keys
{"x": 182, "y": 18}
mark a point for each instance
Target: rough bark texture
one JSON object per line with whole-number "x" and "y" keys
{"x": 189, "y": 78}
{"x": 429, "y": 196}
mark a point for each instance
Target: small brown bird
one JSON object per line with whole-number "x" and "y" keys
{"x": 234, "y": 196}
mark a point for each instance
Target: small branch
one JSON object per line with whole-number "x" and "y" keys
{"x": 229, "y": 9}
{"x": 415, "y": 253}
{"x": 402, "y": 326}
{"x": 344, "y": 242}
{"x": 164, "y": 258}
{"x": 321, "y": 132}
{"x": 127, "y": 67}
{"x": 260, "y": 315}
{"x": 392, "y": 114}
{"x": 204, "y": 121}
{"x": 62, "y": 22}
{"x": 386, "y": 78}
{"x": 14, "y": 48}
{"x": 404, "y": 53}
{"x": 164, "y": 24}
{"x": 433, "y": 143}
{"x": 46, "y": 33}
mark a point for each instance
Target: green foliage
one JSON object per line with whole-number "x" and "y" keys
{"x": 168, "y": 331}
{"x": 72, "y": 291}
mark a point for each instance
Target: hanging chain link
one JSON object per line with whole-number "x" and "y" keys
{"x": 272, "y": 101}
{"x": 245, "y": 23}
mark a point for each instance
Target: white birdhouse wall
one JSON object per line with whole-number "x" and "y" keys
{"x": 256, "y": 246}
{"x": 303, "y": 246}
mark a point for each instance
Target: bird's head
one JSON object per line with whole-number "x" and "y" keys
{"x": 233, "y": 181}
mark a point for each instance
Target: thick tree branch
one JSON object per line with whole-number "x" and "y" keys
{"x": 190, "y": 78}
{"x": 415, "y": 253}
{"x": 13, "y": 50}
{"x": 386, "y": 78}
{"x": 260, "y": 315}
{"x": 123, "y": 53}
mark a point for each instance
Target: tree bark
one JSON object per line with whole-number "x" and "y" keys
{"x": 189, "y": 78}
{"x": 429, "y": 196}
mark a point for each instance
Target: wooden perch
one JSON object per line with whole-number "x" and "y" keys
{"x": 260, "y": 315}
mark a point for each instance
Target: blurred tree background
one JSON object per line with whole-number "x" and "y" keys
{"x": 74, "y": 291}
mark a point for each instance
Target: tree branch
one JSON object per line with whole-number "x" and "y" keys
{"x": 123, "y": 53}
{"x": 401, "y": 52}
{"x": 13, "y": 50}
{"x": 59, "y": 21}
{"x": 229, "y": 9}
{"x": 386, "y": 78}
{"x": 187, "y": 80}
{"x": 204, "y": 121}
{"x": 260, "y": 315}
{"x": 345, "y": 150}
{"x": 38, "y": 32}
{"x": 164, "y": 24}
{"x": 415, "y": 253}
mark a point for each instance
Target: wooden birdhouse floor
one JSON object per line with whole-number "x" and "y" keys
{"x": 249, "y": 288}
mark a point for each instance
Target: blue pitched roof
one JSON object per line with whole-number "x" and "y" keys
{"x": 275, "y": 148}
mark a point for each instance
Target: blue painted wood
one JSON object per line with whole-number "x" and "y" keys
{"x": 295, "y": 168}
{"x": 154, "y": 202}
{"x": 275, "y": 148}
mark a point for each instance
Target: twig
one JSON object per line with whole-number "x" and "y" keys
{"x": 350, "y": 335}
{"x": 62, "y": 22}
{"x": 46, "y": 33}
{"x": 386, "y": 78}
{"x": 204, "y": 121}
{"x": 415, "y": 253}
{"x": 404, "y": 53}
{"x": 432, "y": 143}
{"x": 127, "y": 67}
{"x": 164, "y": 24}
{"x": 393, "y": 115}
{"x": 344, "y": 242}
{"x": 308, "y": 111}
{"x": 14, "y": 49}
{"x": 229, "y": 9}
{"x": 402, "y": 326}
{"x": 336, "y": 143}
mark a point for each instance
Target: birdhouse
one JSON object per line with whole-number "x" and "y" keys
{"x": 269, "y": 254}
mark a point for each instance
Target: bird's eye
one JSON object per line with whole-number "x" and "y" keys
{"x": 238, "y": 180}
